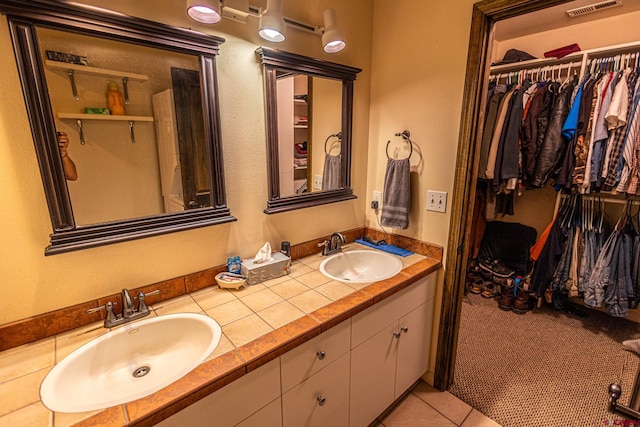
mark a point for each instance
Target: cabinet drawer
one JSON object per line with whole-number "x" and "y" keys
{"x": 300, "y": 405}
{"x": 364, "y": 325}
{"x": 303, "y": 361}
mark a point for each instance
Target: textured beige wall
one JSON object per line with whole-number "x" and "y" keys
{"x": 418, "y": 63}
{"x": 36, "y": 284}
{"x": 418, "y": 69}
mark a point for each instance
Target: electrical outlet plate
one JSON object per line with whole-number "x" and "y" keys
{"x": 377, "y": 197}
{"x": 317, "y": 182}
{"x": 437, "y": 201}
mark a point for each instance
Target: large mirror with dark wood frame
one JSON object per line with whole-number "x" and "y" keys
{"x": 125, "y": 120}
{"x": 309, "y": 108}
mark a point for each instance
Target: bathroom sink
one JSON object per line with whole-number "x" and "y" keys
{"x": 361, "y": 266}
{"x": 130, "y": 362}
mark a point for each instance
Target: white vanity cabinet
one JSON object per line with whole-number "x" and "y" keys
{"x": 346, "y": 376}
{"x": 390, "y": 345}
{"x": 252, "y": 400}
{"x": 315, "y": 380}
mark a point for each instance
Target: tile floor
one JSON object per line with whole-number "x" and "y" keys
{"x": 425, "y": 406}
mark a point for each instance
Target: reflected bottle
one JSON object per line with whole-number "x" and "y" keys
{"x": 115, "y": 100}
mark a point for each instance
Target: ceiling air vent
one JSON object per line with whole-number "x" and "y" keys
{"x": 596, "y": 7}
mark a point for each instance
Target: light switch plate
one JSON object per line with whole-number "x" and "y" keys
{"x": 317, "y": 182}
{"x": 436, "y": 201}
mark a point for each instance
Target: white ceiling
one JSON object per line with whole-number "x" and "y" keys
{"x": 556, "y": 17}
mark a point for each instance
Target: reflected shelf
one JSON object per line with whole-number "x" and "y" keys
{"x": 56, "y": 65}
{"x": 108, "y": 117}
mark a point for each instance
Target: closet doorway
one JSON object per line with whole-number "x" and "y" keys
{"x": 485, "y": 16}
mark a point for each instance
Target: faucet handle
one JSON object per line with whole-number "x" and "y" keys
{"x": 142, "y": 306}
{"x": 108, "y": 306}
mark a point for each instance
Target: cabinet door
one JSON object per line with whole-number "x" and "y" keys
{"x": 413, "y": 346}
{"x": 373, "y": 369}
{"x": 234, "y": 402}
{"x": 318, "y": 397}
{"x": 269, "y": 416}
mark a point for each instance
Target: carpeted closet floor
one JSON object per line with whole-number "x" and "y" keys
{"x": 544, "y": 368}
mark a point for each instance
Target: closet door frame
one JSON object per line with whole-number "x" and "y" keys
{"x": 485, "y": 15}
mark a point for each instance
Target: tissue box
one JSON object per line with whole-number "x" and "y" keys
{"x": 277, "y": 266}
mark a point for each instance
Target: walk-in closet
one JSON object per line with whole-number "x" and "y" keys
{"x": 553, "y": 278}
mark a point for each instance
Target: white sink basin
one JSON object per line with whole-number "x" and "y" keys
{"x": 361, "y": 266}
{"x": 130, "y": 362}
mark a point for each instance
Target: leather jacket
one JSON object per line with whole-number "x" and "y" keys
{"x": 554, "y": 145}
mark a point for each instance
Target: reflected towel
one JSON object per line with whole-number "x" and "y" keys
{"x": 397, "y": 189}
{"x": 331, "y": 174}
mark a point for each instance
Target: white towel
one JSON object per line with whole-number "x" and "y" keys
{"x": 397, "y": 190}
{"x": 331, "y": 174}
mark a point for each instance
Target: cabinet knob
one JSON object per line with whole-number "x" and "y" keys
{"x": 404, "y": 329}
{"x": 320, "y": 354}
{"x": 396, "y": 334}
{"x": 321, "y": 400}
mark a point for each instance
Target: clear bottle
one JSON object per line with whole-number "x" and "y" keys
{"x": 115, "y": 99}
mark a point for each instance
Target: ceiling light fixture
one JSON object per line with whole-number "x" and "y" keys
{"x": 205, "y": 11}
{"x": 272, "y": 26}
{"x": 332, "y": 38}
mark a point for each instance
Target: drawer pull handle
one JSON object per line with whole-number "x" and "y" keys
{"x": 396, "y": 334}
{"x": 321, "y": 400}
{"x": 320, "y": 354}
{"x": 404, "y": 329}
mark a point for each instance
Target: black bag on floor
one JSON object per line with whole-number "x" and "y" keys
{"x": 505, "y": 247}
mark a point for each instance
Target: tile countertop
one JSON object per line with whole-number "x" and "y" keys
{"x": 259, "y": 323}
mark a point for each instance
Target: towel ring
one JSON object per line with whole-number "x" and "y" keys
{"x": 405, "y": 134}
{"x": 335, "y": 135}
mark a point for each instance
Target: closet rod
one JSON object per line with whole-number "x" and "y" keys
{"x": 606, "y": 199}
{"x": 534, "y": 64}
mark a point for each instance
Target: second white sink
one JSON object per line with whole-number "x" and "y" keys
{"x": 130, "y": 362}
{"x": 361, "y": 266}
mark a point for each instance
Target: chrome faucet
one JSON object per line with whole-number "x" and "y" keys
{"x": 333, "y": 245}
{"x": 129, "y": 312}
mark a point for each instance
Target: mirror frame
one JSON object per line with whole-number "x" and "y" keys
{"x": 23, "y": 18}
{"x": 273, "y": 60}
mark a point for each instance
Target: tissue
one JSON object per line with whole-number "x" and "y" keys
{"x": 264, "y": 254}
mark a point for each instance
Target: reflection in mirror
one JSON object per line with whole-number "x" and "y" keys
{"x": 137, "y": 101}
{"x": 309, "y": 118}
{"x": 309, "y": 106}
{"x": 124, "y": 172}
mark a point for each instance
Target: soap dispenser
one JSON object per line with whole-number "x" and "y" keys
{"x": 115, "y": 99}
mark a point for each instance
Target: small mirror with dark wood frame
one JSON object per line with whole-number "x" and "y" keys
{"x": 122, "y": 190}
{"x": 309, "y": 109}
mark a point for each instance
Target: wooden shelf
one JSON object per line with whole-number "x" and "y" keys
{"x": 80, "y": 116}
{"x": 56, "y": 65}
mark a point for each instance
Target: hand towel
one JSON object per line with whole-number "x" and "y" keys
{"x": 396, "y": 250}
{"x": 396, "y": 199}
{"x": 331, "y": 173}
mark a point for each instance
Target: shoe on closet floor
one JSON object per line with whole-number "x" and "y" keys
{"x": 475, "y": 284}
{"x": 521, "y": 303}
{"x": 496, "y": 268}
{"x": 505, "y": 302}
{"x": 490, "y": 290}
